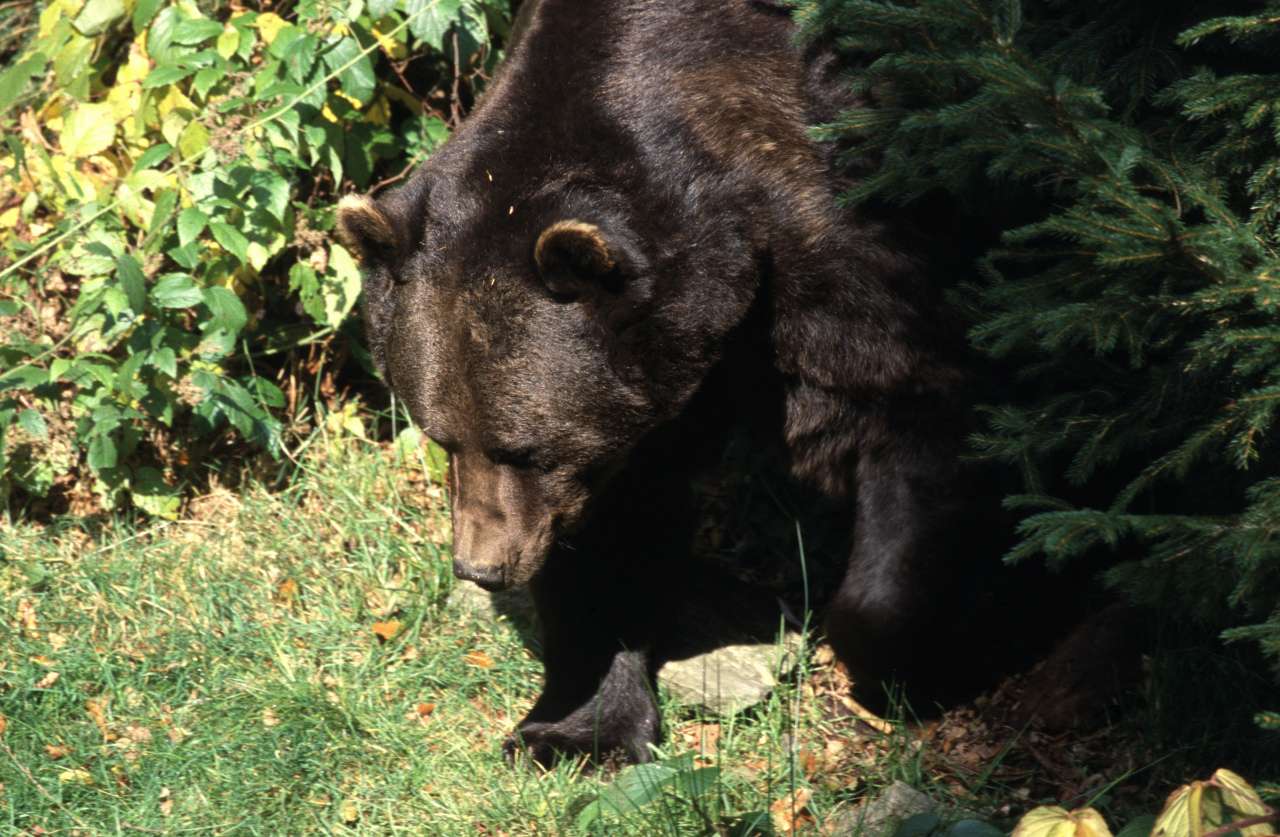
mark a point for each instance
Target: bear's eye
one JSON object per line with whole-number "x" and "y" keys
{"x": 514, "y": 458}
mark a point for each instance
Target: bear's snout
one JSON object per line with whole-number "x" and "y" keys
{"x": 488, "y": 577}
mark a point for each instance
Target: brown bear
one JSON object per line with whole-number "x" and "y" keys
{"x": 632, "y": 246}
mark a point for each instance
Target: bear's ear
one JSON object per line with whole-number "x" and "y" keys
{"x": 573, "y": 256}
{"x": 366, "y": 230}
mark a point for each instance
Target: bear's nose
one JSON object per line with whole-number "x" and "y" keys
{"x": 488, "y": 577}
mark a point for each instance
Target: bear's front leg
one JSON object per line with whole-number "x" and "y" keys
{"x": 602, "y": 598}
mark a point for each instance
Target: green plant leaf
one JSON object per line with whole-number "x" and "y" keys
{"x": 1139, "y": 826}
{"x": 166, "y": 74}
{"x": 196, "y": 30}
{"x": 87, "y": 130}
{"x": 97, "y": 16}
{"x": 231, "y": 239}
{"x": 153, "y": 155}
{"x": 143, "y": 12}
{"x": 133, "y": 281}
{"x": 176, "y": 290}
{"x": 33, "y": 423}
{"x": 14, "y": 80}
{"x": 227, "y": 310}
{"x": 153, "y": 495}
{"x": 102, "y": 452}
{"x": 191, "y": 222}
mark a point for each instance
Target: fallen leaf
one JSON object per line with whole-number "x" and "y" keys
{"x": 138, "y": 734}
{"x": 3, "y": 724}
{"x": 287, "y": 591}
{"x": 269, "y": 718}
{"x": 166, "y": 802}
{"x": 48, "y": 680}
{"x": 350, "y": 811}
{"x": 176, "y": 734}
{"x": 386, "y": 630}
{"x": 478, "y": 658}
{"x": 95, "y": 710}
{"x": 27, "y": 619}
{"x": 790, "y": 811}
{"x": 80, "y": 777}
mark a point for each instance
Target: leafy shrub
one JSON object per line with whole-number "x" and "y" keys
{"x": 166, "y": 190}
{"x": 1127, "y": 153}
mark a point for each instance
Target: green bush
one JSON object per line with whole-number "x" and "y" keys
{"x": 1127, "y": 150}
{"x": 166, "y": 191}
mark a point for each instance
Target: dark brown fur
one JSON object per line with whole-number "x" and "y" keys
{"x": 631, "y": 245}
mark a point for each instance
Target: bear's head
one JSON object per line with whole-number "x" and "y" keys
{"x": 537, "y": 333}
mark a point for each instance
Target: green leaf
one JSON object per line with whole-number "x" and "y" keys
{"x": 133, "y": 281}
{"x": 195, "y": 31}
{"x": 163, "y": 74}
{"x": 191, "y": 222}
{"x": 102, "y": 452}
{"x": 227, "y": 310}
{"x": 271, "y": 191}
{"x": 33, "y": 423}
{"x": 166, "y": 200}
{"x": 14, "y": 80}
{"x": 97, "y": 16}
{"x": 231, "y": 239}
{"x": 143, "y": 12}
{"x": 978, "y": 828}
{"x": 1139, "y": 826}
{"x": 153, "y": 495}
{"x": 176, "y": 290}
{"x": 88, "y": 130}
{"x": 430, "y": 20}
{"x": 355, "y": 72}
{"x": 154, "y": 154}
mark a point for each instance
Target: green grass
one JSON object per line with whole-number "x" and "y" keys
{"x": 230, "y": 673}
{"x": 222, "y": 675}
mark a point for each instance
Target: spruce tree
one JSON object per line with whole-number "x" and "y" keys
{"x": 1129, "y": 153}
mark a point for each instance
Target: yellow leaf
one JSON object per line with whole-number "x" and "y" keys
{"x": 194, "y": 140}
{"x": 9, "y": 218}
{"x": 479, "y": 658}
{"x": 379, "y": 112}
{"x": 80, "y": 777}
{"x": 411, "y": 102}
{"x": 350, "y": 811}
{"x": 1200, "y": 807}
{"x": 88, "y": 130}
{"x": 228, "y": 41}
{"x": 395, "y": 48}
{"x": 1052, "y": 821}
{"x": 269, "y": 25}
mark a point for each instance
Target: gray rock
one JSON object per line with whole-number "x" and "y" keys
{"x": 725, "y": 656}
{"x": 733, "y": 677}
{"x": 881, "y": 816}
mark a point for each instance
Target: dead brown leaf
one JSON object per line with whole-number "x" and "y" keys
{"x": 386, "y": 630}
{"x": 790, "y": 812}
{"x": 478, "y": 658}
{"x": 97, "y": 712}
